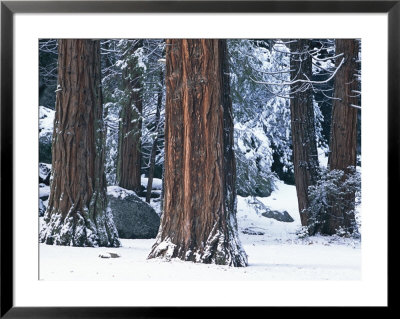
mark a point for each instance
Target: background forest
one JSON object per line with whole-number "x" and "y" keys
{"x": 130, "y": 131}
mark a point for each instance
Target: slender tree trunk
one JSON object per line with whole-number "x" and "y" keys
{"x": 130, "y": 130}
{"x": 305, "y": 155}
{"x": 77, "y": 213}
{"x": 343, "y": 142}
{"x": 199, "y": 218}
{"x": 154, "y": 146}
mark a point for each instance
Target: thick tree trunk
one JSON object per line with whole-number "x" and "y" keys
{"x": 343, "y": 142}
{"x": 305, "y": 155}
{"x": 130, "y": 130}
{"x": 77, "y": 213}
{"x": 199, "y": 218}
{"x": 154, "y": 146}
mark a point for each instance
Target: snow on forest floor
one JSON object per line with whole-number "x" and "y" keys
{"x": 276, "y": 253}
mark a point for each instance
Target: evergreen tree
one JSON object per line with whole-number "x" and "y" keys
{"x": 199, "y": 218}
{"x": 119, "y": 59}
{"x": 343, "y": 141}
{"x": 305, "y": 155}
{"x": 261, "y": 115}
{"x": 130, "y": 129}
{"x": 77, "y": 213}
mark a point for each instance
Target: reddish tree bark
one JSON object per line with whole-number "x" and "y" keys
{"x": 130, "y": 129}
{"x": 305, "y": 155}
{"x": 343, "y": 141}
{"x": 199, "y": 218}
{"x": 77, "y": 212}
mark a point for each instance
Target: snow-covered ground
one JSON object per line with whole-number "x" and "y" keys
{"x": 46, "y": 119}
{"x": 275, "y": 253}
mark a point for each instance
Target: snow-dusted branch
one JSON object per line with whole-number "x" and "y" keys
{"x": 327, "y": 58}
{"x": 302, "y": 80}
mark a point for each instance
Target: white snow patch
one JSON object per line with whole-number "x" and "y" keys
{"x": 119, "y": 192}
{"x": 322, "y": 158}
{"x": 157, "y": 183}
{"x": 46, "y": 119}
{"x": 44, "y": 190}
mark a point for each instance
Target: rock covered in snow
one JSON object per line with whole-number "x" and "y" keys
{"x": 44, "y": 173}
{"x": 109, "y": 255}
{"x": 252, "y": 231}
{"x": 44, "y": 187}
{"x": 42, "y": 208}
{"x": 46, "y": 119}
{"x": 279, "y": 216}
{"x": 133, "y": 217}
{"x": 44, "y": 191}
{"x": 269, "y": 213}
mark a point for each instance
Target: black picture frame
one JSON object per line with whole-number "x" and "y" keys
{"x": 9, "y": 8}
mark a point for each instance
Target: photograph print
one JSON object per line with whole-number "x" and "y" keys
{"x": 200, "y": 159}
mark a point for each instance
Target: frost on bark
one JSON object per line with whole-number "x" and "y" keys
{"x": 199, "y": 218}
{"x": 77, "y": 213}
{"x": 343, "y": 141}
{"x": 130, "y": 128}
{"x": 305, "y": 155}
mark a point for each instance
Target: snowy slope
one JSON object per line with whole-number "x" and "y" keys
{"x": 278, "y": 254}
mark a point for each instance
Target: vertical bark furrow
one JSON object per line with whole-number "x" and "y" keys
{"x": 197, "y": 224}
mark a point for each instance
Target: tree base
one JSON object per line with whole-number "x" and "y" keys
{"x": 79, "y": 230}
{"x": 218, "y": 250}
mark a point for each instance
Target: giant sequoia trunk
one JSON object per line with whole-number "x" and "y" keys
{"x": 343, "y": 142}
{"x": 305, "y": 156}
{"x": 130, "y": 129}
{"x": 77, "y": 213}
{"x": 199, "y": 218}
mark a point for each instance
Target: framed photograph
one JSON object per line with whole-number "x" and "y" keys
{"x": 196, "y": 154}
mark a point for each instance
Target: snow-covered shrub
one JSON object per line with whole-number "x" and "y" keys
{"x": 302, "y": 232}
{"x": 335, "y": 188}
{"x": 342, "y": 232}
{"x": 253, "y": 162}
